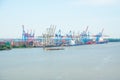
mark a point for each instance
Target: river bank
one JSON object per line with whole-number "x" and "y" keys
{"x": 7, "y": 45}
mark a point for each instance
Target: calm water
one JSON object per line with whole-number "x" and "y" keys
{"x": 88, "y": 62}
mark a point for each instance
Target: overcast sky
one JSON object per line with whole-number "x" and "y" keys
{"x": 67, "y": 15}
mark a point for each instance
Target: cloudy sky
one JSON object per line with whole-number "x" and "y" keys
{"x": 68, "y": 15}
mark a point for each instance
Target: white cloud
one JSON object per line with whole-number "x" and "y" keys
{"x": 94, "y": 2}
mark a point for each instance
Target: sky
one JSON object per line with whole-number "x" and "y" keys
{"x": 74, "y": 15}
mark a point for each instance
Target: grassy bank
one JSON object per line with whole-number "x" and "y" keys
{"x": 5, "y": 46}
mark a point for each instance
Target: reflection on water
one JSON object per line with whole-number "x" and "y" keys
{"x": 88, "y": 62}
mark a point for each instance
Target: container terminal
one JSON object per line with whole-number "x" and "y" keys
{"x": 52, "y": 39}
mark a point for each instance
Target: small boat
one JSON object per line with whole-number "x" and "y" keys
{"x": 53, "y": 48}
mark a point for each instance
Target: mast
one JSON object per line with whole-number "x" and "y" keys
{"x": 23, "y": 32}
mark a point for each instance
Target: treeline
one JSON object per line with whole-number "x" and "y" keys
{"x": 114, "y": 40}
{"x": 5, "y": 45}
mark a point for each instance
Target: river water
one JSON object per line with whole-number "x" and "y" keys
{"x": 86, "y": 62}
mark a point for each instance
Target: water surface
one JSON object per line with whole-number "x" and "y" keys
{"x": 87, "y": 62}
